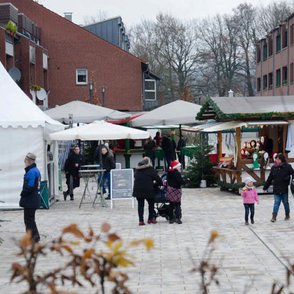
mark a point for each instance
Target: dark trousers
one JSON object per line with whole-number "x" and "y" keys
{"x": 175, "y": 210}
{"x": 249, "y": 207}
{"x": 105, "y": 182}
{"x": 30, "y": 223}
{"x": 141, "y": 203}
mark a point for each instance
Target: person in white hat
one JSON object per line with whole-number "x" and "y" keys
{"x": 250, "y": 197}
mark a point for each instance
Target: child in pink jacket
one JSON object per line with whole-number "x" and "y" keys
{"x": 250, "y": 197}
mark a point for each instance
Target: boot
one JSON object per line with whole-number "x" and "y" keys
{"x": 64, "y": 195}
{"x": 71, "y": 197}
{"x": 274, "y": 217}
{"x": 287, "y": 217}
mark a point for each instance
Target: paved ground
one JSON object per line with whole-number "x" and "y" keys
{"x": 252, "y": 256}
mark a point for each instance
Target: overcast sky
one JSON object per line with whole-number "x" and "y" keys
{"x": 133, "y": 11}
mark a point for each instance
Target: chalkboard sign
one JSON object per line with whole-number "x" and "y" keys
{"x": 121, "y": 183}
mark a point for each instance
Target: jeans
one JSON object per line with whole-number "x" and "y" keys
{"x": 105, "y": 182}
{"x": 30, "y": 223}
{"x": 141, "y": 202}
{"x": 281, "y": 198}
{"x": 249, "y": 207}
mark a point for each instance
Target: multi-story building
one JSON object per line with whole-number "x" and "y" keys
{"x": 111, "y": 30}
{"x": 21, "y": 52}
{"x": 80, "y": 65}
{"x": 275, "y": 61}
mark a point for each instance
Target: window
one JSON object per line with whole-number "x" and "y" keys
{"x": 258, "y": 84}
{"x": 278, "y": 43}
{"x": 265, "y": 82}
{"x": 270, "y": 80}
{"x": 278, "y": 78}
{"x": 292, "y": 73}
{"x": 81, "y": 76}
{"x": 258, "y": 53}
{"x": 270, "y": 46}
{"x": 285, "y": 39}
{"x": 150, "y": 89}
{"x": 264, "y": 52}
{"x": 292, "y": 34}
{"x": 285, "y": 75}
{"x": 32, "y": 55}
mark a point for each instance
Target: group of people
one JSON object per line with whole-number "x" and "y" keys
{"x": 145, "y": 184}
{"x": 74, "y": 162}
{"x": 146, "y": 179}
{"x": 170, "y": 149}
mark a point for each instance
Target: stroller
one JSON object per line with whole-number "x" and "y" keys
{"x": 161, "y": 203}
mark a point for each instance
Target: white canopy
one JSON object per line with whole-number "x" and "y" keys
{"x": 17, "y": 109}
{"x": 83, "y": 112}
{"x": 23, "y": 127}
{"x": 177, "y": 112}
{"x": 99, "y": 130}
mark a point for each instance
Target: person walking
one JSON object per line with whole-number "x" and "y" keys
{"x": 146, "y": 178}
{"x": 71, "y": 168}
{"x": 174, "y": 192}
{"x": 108, "y": 164}
{"x": 250, "y": 197}
{"x": 30, "y": 198}
{"x": 280, "y": 175}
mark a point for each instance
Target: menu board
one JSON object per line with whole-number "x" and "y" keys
{"x": 121, "y": 183}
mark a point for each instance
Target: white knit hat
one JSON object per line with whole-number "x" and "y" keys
{"x": 248, "y": 180}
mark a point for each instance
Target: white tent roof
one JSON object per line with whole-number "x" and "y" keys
{"x": 177, "y": 112}
{"x": 16, "y": 108}
{"x": 99, "y": 130}
{"x": 83, "y": 112}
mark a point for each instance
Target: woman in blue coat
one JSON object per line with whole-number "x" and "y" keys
{"x": 29, "y": 197}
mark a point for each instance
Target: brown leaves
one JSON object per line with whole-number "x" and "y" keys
{"x": 86, "y": 256}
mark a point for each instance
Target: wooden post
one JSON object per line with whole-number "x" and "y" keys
{"x": 238, "y": 145}
{"x": 285, "y": 127}
{"x": 219, "y": 145}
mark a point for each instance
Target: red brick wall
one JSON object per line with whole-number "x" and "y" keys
{"x": 71, "y": 47}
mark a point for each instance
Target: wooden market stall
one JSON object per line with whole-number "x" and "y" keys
{"x": 268, "y": 117}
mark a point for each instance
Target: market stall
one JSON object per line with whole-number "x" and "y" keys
{"x": 266, "y": 122}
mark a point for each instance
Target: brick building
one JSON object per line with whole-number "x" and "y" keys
{"x": 82, "y": 66}
{"x": 275, "y": 61}
{"x": 21, "y": 52}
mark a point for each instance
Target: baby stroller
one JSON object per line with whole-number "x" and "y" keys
{"x": 161, "y": 203}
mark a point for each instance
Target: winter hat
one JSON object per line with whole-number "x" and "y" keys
{"x": 145, "y": 162}
{"x": 248, "y": 180}
{"x": 31, "y": 156}
{"x": 174, "y": 164}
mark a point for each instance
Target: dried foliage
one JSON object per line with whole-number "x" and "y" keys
{"x": 85, "y": 258}
{"x": 207, "y": 269}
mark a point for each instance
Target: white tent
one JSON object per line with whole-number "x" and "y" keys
{"x": 99, "y": 130}
{"x": 23, "y": 128}
{"x": 178, "y": 112}
{"x": 83, "y": 112}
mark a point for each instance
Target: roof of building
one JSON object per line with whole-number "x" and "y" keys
{"x": 258, "y": 107}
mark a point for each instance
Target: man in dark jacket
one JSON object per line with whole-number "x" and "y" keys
{"x": 71, "y": 168}
{"x": 107, "y": 164}
{"x": 146, "y": 178}
{"x": 169, "y": 149}
{"x": 280, "y": 175}
{"x": 29, "y": 197}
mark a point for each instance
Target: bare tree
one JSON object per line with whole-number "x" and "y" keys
{"x": 100, "y": 16}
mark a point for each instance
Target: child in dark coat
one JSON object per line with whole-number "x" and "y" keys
{"x": 174, "y": 192}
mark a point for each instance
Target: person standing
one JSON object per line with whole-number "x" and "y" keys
{"x": 157, "y": 139}
{"x": 174, "y": 192}
{"x": 71, "y": 168}
{"x": 280, "y": 175}
{"x": 30, "y": 198}
{"x": 168, "y": 149}
{"x": 146, "y": 178}
{"x": 149, "y": 150}
{"x": 180, "y": 146}
{"x": 108, "y": 164}
{"x": 250, "y": 197}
